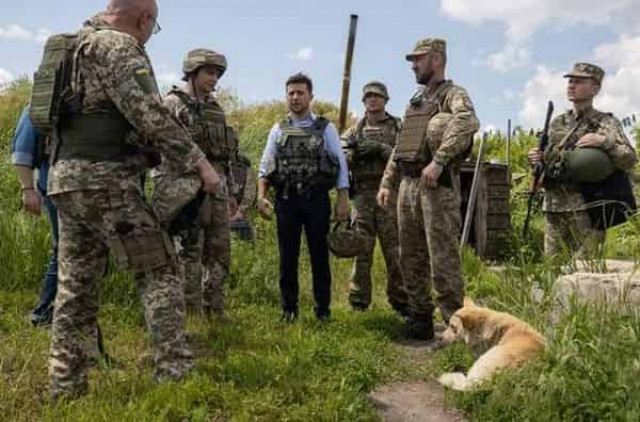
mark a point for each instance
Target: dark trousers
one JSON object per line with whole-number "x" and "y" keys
{"x": 43, "y": 311}
{"x": 311, "y": 212}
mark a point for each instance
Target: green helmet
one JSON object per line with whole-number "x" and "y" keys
{"x": 347, "y": 241}
{"x": 199, "y": 57}
{"x": 588, "y": 165}
{"x": 375, "y": 87}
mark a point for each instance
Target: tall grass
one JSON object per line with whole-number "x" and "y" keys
{"x": 258, "y": 369}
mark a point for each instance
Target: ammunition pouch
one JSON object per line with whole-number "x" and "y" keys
{"x": 96, "y": 137}
{"x": 142, "y": 252}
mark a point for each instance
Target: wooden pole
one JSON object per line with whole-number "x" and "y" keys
{"x": 346, "y": 76}
{"x": 471, "y": 205}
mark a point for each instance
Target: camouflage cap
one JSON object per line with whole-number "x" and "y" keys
{"x": 199, "y": 57}
{"x": 375, "y": 87}
{"x": 428, "y": 45}
{"x": 586, "y": 70}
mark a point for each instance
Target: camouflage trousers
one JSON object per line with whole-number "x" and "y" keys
{"x": 92, "y": 223}
{"x": 429, "y": 224}
{"x": 383, "y": 224}
{"x": 571, "y": 232}
{"x": 204, "y": 252}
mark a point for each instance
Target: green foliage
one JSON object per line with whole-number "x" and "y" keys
{"x": 256, "y": 368}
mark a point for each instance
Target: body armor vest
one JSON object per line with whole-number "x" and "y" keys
{"x": 301, "y": 160}
{"x": 57, "y": 111}
{"x": 368, "y": 169}
{"x": 208, "y": 127}
{"x": 419, "y": 138}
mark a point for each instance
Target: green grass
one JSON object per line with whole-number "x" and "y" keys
{"x": 256, "y": 368}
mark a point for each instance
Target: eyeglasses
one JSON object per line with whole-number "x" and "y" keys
{"x": 156, "y": 27}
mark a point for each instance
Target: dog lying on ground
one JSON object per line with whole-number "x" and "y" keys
{"x": 510, "y": 342}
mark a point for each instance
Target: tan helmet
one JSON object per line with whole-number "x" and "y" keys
{"x": 199, "y": 57}
{"x": 347, "y": 241}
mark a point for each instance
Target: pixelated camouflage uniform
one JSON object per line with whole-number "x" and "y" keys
{"x": 568, "y": 225}
{"x": 429, "y": 219}
{"x": 101, "y": 209}
{"x": 204, "y": 248}
{"x": 367, "y": 170}
{"x": 244, "y": 191}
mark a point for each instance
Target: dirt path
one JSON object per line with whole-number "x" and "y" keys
{"x": 414, "y": 401}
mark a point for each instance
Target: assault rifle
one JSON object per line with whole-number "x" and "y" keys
{"x": 538, "y": 169}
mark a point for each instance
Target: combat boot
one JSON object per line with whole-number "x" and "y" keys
{"x": 421, "y": 328}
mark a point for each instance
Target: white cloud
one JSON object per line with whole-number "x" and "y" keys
{"x": 513, "y": 56}
{"x": 522, "y": 18}
{"x": 5, "y": 77}
{"x": 17, "y": 32}
{"x": 620, "y": 90}
{"x": 547, "y": 84}
{"x": 304, "y": 54}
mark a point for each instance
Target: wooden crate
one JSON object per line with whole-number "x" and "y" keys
{"x": 491, "y": 224}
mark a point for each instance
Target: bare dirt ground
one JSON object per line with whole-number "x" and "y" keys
{"x": 417, "y": 400}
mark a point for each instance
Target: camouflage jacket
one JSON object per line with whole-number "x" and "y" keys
{"x": 244, "y": 185}
{"x": 210, "y": 134}
{"x": 113, "y": 71}
{"x": 368, "y": 169}
{"x": 566, "y": 196}
{"x": 457, "y": 134}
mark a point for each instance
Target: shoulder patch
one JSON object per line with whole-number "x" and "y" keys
{"x": 143, "y": 77}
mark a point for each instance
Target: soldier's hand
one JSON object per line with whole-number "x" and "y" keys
{"x": 265, "y": 208}
{"x": 591, "y": 140}
{"x": 383, "y": 197}
{"x": 342, "y": 209}
{"x": 233, "y": 206}
{"x": 211, "y": 182}
{"x": 535, "y": 156}
{"x": 430, "y": 174}
{"x": 31, "y": 201}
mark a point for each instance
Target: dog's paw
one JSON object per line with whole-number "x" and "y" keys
{"x": 453, "y": 380}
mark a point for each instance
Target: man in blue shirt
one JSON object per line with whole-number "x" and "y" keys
{"x": 303, "y": 160}
{"x": 28, "y": 154}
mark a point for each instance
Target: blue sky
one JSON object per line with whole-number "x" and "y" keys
{"x": 509, "y": 54}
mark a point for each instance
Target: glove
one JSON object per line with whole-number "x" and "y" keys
{"x": 368, "y": 149}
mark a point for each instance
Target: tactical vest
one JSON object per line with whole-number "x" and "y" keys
{"x": 57, "y": 111}
{"x": 208, "y": 127}
{"x": 301, "y": 160}
{"x": 422, "y": 127}
{"x": 371, "y": 170}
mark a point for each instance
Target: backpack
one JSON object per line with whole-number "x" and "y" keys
{"x": 52, "y": 95}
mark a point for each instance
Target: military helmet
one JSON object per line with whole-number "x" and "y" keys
{"x": 347, "y": 241}
{"x": 172, "y": 194}
{"x": 199, "y": 57}
{"x": 375, "y": 87}
{"x": 588, "y": 165}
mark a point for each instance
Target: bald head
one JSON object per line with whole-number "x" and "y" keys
{"x": 127, "y": 6}
{"x": 135, "y": 17}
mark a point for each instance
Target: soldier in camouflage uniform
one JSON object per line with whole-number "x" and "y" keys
{"x": 369, "y": 145}
{"x": 204, "y": 246}
{"x": 94, "y": 182}
{"x": 244, "y": 191}
{"x": 437, "y": 132}
{"x": 569, "y": 224}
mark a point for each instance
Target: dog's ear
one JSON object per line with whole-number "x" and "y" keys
{"x": 468, "y": 302}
